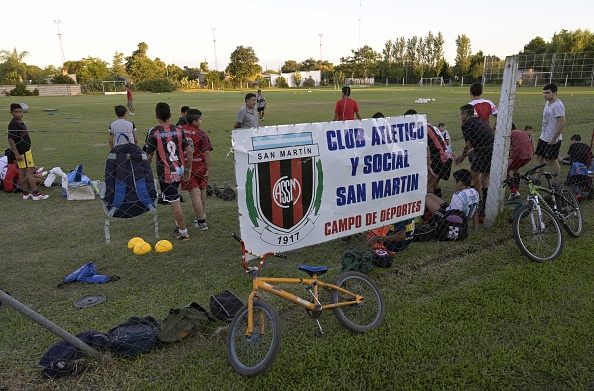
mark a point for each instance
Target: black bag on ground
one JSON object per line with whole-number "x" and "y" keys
{"x": 357, "y": 260}
{"x": 225, "y": 305}
{"x": 453, "y": 226}
{"x": 63, "y": 358}
{"x": 184, "y": 322}
{"x": 382, "y": 258}
{"x": 135, "y": 336}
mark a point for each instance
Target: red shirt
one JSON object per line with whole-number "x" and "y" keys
{"x": 484, "y": 108}
{"x": 346, "y": 109}
{"x": 520, "y": 146}
{"x": 200, "y": 145}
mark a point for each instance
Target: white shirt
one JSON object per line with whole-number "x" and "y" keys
{"x": 550, "y": 120}
{"x": 465, "y": 200}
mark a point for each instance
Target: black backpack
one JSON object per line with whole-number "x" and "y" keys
{"x": 452, "y": 226}
{"x": 133, "y": 337}
{"x": 63, "y": 358}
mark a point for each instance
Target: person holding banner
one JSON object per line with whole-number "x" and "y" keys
{"x": 346, "y": 108}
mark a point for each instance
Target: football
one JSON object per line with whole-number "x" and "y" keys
{"x": 162, "y": 246}
{"x": 142, "y": 248}
{"x": 132, "y": 242}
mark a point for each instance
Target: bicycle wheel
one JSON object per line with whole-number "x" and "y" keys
{"x": 571, "y": 213}
{"x": 358, "y": 317}
{"x": 252, "y": 355}
{"x": 538, "y": 237}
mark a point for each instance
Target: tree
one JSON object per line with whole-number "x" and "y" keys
{"x": 290, "y": 66}
{"x": 297, "y": 79}
{"x": 363, "y": 62}
{"x": 174, "y": 72}
{"x": 243, "y": 65}
{"x": 117, "y": 70}
{"x": 463, "y": 52}
{"x": 214, "y": 79}
{"x": 12, "y": 68}
{"x": 536, "y": 46}
{"x": 572, "y": 41}
{"x": 204, "y": 67}
{"x": 93, "y": 69}
{"x": 310, "y": 65}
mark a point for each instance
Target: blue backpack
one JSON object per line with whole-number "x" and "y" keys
{"x": 129, "y": 185}
{"x": 135, "y": 336}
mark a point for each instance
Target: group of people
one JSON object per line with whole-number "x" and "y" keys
{"x": 182, "y": 155}
{"x": 471, "y": 186}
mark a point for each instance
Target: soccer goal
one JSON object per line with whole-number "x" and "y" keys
{"x": 431, "y": 81}
{"x": 534, "y": 78}
{"x": 113, "y": 87}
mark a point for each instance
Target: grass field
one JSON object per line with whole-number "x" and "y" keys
{"x": 474, "y": 315}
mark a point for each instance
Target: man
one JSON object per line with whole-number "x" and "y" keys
{"x": 346, "y": 108}
{"x": 248, "y": 116}
{"x": 553, "y": 122}
{"x": 478, "y": 136}
{"x": 577, "y": 152}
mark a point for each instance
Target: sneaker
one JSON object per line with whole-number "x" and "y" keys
{"x": 131, "y": 113}
{"x": 201, "y": 226}
{"x": 514, "y": 195}
{"x": 181, "y": 237}
{"x": 26, "y": 195}
{"x": 38, "y": 196}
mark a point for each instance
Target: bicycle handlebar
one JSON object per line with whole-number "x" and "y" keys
{"x": 245, "y": 251}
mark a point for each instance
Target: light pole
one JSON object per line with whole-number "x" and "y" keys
{"x": 321, "y": 35}
{"x": 214, "y": 40}
{"x": 58, "y": 22}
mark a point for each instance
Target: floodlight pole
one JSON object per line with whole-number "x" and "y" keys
{"x": 321, "y": 62}
{"x": 214, "y": 40}
{"x": 64, "y": 70}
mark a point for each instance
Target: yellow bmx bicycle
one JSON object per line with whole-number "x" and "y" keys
{"x": 255, "y": 334}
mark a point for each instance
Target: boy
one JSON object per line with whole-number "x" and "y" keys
{"x": 483, "y": 108}
{"x": 553, "y": 122}
{"x": 20, "y": 145}
{"x": 130, "y": 100}
{"x": 346, "y": 108}
{"x": 122, "y": 126}
{"x": 170, "y": 144}
{"x": 182, "y": 120}
{"x": 199, "y": 165}
{"x": 465, "y": 199}
{"x": 521, "y": 152}
{"x": 261, "y": 104}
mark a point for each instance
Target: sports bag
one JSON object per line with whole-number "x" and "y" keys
{"x": 184, "y": 322}
{"x": 135, "y": 336}
{"x": 225, "y": 305}
{"x": 63, "y": 358}
{"x": 357, "y": 260}
{"x": 453, "y": 226}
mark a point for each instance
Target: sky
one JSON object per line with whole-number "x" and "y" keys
{"x": 181, "y": 32}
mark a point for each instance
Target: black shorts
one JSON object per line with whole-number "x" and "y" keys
{"x": 481, "y": 163}
{"x": 442, "y": 170}
{"x": 261, "y": 109}
{"x": 547, "y": 151}
{"x": 169, "y": 192}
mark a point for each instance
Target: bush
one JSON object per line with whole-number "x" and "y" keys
{"x": 62, "y": 79}
{"x": 157, "y": 85}
{"x": 21, "y": 90}
{"x": 309, "y": 82}
{"x": 281, "y": 82}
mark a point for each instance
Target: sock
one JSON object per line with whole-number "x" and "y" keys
{"x": 202, "y": 221}
{"x": 485, "y": 191}
{"x": 183, "y": 231}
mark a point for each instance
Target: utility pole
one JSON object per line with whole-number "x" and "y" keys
{"x": 214, "y": 40}
{"x": 321, "y": 62}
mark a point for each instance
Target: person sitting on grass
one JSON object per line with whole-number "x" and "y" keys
{"x": 465, "y": 199}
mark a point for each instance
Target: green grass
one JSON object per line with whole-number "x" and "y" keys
{"x": 474, "y": 315}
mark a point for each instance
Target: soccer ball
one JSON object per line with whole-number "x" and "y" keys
{"x": 162, "y": 246}
{"x": 132, "y": 242}
{"x": 142, "y": 248}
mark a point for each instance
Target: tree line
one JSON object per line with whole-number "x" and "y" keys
{"x": 402, "y": 60}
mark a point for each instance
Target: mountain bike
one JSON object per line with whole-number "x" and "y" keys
{"x": 536, "y": 226}
{"x": 255, "y": 334}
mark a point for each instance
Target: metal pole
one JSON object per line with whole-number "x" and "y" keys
{"x": 34, "y": 316}
{"x": 214, "y": 40}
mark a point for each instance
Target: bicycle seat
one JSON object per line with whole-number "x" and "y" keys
{"x": 311, "y": 270}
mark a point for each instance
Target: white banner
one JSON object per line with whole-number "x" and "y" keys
{"x": 299, "y": 185}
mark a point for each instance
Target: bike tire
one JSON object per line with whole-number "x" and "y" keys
{"x": 540, "y": 241}
{"x": 253, "y": 355}
{"x": 358, "y": 317}
{"x": 570, "y": 210}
